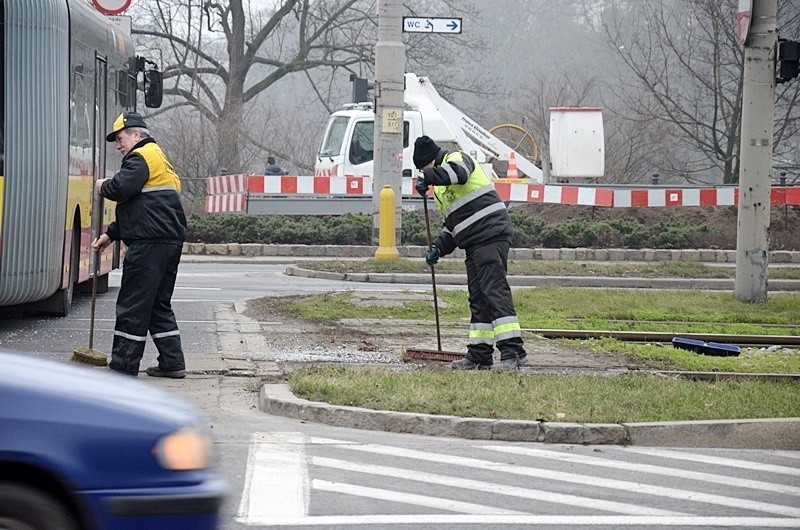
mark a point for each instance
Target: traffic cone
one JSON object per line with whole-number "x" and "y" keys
{"x": 512, "y": 166}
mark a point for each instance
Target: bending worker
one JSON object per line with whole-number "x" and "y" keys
{"x": 152, "y": 224}
{"x": 476, "y": 220}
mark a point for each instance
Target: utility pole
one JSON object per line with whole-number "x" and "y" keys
{"x": 390, "y": 63}
{"x": 755, "y": 175}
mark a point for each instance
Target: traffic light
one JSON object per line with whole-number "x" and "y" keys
{"x": 788, "y": 60}
{"x": 361, "y": 88}
{"x": 153, "y": 88}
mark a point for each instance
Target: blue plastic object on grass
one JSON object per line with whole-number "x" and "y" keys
{"x": 717, "y": 349}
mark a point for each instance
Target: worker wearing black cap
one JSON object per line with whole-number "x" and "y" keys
{"x": 476, "y": 220}
{"x": 151, "y": 222}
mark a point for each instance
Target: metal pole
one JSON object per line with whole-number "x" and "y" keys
{"x": 390, "y": 61}
{"x": 758, "y": 110}
{"x": 433, "y": 273}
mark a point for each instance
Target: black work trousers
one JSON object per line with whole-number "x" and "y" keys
{"x": 144, "y": 304}
{"x": 493, "y": 320}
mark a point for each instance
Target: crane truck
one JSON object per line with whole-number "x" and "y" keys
{"x": 347, "y": 145}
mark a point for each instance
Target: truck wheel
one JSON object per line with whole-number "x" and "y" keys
{"x": 25, "y": 508}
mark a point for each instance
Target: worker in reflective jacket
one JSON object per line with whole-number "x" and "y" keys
{"x": 476, "y": 220}
{"x": 151, "y": 222}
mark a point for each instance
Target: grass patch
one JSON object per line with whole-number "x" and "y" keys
{"x": 676, "y": 312}
{"x": 686, "y": 311}
{"x": 549, "y": 268}
{"x": 630, "y": 398}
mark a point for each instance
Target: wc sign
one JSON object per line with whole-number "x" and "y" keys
{"x": 431, "y": 25}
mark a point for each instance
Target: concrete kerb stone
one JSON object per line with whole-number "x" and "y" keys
{"x": 782, "y": 434}
{"x": 772, "y": 433}
{"x": 540, "y": 281}
{"x": 546, "y": 254}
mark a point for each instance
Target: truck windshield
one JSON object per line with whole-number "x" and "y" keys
{"x": 334, "y": 136}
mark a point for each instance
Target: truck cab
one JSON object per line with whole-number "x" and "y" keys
{"x": 347, "y": 147}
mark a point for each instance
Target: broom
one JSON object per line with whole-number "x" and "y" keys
{"x": 90, "y": 355}
{"x": 432, "y": 355}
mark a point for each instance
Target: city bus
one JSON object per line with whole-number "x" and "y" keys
{"x": 67, "y": 73}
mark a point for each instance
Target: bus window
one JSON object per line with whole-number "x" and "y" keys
{"x": 122, "y": 88}
{"x": 81, "y": 135}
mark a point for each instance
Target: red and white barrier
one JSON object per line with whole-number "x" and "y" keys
{"x": 226, "y": 184}
{"x": 226, "y": 203}
{"x": 229, "y": 193}
{"x": 677, "y": 197}
{"x": 305, "y": 185}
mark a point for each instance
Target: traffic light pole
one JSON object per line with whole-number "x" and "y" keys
{"x": 755, "y": 175}
{"x": 390, "y": 62}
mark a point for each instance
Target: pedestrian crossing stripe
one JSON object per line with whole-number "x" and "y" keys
{"x": 278, "y": 488}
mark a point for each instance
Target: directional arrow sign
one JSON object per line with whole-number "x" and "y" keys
{"x": 431, "y": 25}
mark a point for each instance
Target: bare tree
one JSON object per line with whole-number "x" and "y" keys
{"x": 222, "y": 55}
{"x": 686, "y": 57}
{"x": 245, "y": 67}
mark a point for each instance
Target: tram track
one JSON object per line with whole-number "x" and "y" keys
{"x": 787, "y": 341}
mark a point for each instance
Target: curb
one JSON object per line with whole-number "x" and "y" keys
{"x": 251, "y": 250}
{"x": 540, "y": 281}
{"x": 782, "y": 433}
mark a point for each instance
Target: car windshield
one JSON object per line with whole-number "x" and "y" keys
{"x": 334, "y": 136}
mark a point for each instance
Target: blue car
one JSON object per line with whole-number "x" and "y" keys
{"x": 81, "y": 448}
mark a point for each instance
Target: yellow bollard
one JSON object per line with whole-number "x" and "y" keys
{"x": 387, "y": 249}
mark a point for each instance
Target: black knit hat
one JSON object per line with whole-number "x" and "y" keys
{"x": 123, "y": 121}
{"x": 425, "y": 150}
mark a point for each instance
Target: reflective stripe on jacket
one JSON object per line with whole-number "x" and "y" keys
{"x": 473, "y": 212}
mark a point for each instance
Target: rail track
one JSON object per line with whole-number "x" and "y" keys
{"x": 787, "y": 341}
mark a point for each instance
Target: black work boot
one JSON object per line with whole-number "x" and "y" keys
{"x": 155, "y": 371}
{"x": 466, "y": 364}
{"x": 511, "y": 364}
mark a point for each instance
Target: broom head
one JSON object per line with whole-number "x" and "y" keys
{"x": 433, "y": 355}
{"x": 89, "y": 356}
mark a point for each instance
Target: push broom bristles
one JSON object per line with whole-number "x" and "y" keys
{"x": 89, "y": 356}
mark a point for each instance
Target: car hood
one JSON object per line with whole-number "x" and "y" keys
{"x": 93, "y": 386}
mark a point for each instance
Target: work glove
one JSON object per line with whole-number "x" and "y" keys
{"x": 432, "y": 256}
{"x": 422, "y": 186}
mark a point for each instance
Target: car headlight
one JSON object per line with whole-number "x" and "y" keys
{"x": 184, "y": 450}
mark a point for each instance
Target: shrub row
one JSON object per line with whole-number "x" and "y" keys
{"x": 529, "y": 232}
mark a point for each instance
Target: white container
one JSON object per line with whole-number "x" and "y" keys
{"x": 577, "y": 142}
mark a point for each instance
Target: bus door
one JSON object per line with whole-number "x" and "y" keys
{"x": 99, "y": 151}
